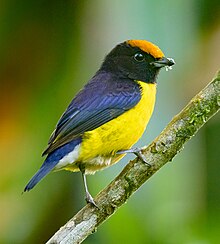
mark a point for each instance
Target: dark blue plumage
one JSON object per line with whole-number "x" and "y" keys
{"x": 104, "y": 97}
{"x": 51, "y": 161}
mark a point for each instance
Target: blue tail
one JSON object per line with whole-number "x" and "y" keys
{"x": 51, "y": 161}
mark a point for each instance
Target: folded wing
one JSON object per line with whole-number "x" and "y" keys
{"x": 95, "y": 105}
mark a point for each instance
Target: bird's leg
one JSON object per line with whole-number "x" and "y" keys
{"x": 88, "y": 198}
{"x": 137, "y": 152}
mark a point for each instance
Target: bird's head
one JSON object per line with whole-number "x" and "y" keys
{"x": 137, "y": 60}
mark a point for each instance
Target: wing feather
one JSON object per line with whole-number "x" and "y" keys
{"x": 102, "y": 99}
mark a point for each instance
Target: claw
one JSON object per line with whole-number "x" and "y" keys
{"x": 137, "y": 152}
{"x": 89, "y": 199}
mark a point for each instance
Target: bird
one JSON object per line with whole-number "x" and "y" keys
{"x": 108, "y": 115}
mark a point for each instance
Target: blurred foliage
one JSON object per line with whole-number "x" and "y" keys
{"x": 48, "y": 50}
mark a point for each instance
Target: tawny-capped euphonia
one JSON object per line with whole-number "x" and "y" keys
{"x": 108, "y": 116}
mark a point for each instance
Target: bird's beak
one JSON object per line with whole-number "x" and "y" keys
{"x": 163, "y": 62}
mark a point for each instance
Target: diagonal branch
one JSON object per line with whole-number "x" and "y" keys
{"x": 162, "y": 150}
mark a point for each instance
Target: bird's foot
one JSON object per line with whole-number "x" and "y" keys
{"x": 89, "y": 199}
{"x": 137, "y": 151}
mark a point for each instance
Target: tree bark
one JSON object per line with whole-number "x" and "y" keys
{"x": 162, "y": 150}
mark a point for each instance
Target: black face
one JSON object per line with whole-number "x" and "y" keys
{"x": 131, "y": 62}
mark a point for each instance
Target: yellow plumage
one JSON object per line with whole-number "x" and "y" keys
{"x": 99, "y": 146}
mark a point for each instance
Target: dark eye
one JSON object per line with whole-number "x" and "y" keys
{"x": 139, "y": 57}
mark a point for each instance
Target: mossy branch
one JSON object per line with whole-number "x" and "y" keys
{"x": 162, "y": 150}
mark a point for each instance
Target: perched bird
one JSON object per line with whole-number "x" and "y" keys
{"x": 108, "y": 116}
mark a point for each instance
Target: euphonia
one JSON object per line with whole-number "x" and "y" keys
{"x": 109, "y": 115}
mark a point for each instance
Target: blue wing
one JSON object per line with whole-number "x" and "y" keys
{"x": 104, "y": 98}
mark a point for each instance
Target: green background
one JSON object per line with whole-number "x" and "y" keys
{"x": 48, "y": 50}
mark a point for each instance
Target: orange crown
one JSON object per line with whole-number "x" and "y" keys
{"x": 147, "y": 47}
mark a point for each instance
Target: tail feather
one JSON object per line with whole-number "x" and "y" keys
{"x": 51, "y": 161}
{"x": 43, "y": 171}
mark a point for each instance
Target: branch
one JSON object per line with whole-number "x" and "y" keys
{"x": 162, "y": 150}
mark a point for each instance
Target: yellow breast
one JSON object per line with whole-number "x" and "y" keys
{"x": 122, "y": 132}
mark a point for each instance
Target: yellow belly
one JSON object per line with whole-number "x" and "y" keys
{"x": 118, "y": 134}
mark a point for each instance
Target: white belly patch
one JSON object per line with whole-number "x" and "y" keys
{"x": 91, "y": 166}
{"x": 69, "y": 159}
